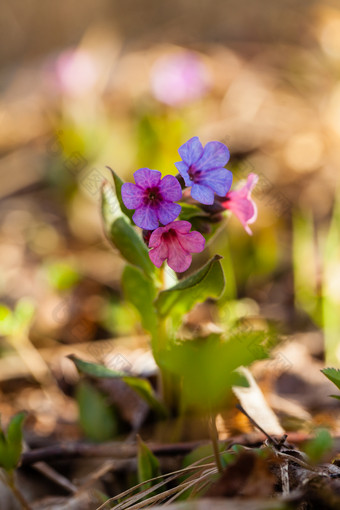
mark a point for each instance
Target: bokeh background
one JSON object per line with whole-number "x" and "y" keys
{"x": 86, "y": 85}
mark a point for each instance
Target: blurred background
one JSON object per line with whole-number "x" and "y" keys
{"x": 86, "y": 85}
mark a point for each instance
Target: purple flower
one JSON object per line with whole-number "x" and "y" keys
{"x": 240, "y": 203}
{"x": 175, "y": 242}
{"x": 203, "y": 169}
{"x": 153, "y": 198}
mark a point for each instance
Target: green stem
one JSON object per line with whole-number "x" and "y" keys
{"x": 8, "y": 478}
{"x": 214, "y": 440}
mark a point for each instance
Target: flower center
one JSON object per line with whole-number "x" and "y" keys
{"x": 193, "y": 173}
{"x": 170, "y": 234}
{"x": 152, "y": 196}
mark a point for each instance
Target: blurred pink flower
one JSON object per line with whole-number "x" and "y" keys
{"x": 179, "y": 78}
{"x": 175, "y": 242}
{"x": 240, "y": 203}
{"x": 76, "y": 72}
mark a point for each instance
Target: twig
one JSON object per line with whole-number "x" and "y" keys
{"x": 272, "y": 440}
{"x": 56, "y": 477}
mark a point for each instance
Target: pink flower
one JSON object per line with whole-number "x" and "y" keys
{"x": 77, "y": 72}
{"x": 175, "y": 242}
{"x": 179, "y": 78}
{"x": 240, "y": 203}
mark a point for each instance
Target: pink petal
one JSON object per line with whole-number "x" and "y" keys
{"x": 178, "y": 259}
{"x": 156, "y": 237}
{"x": 170, "y": 188}
{"x": 159, "y": 254}
{"x": 132, "y": 195}
{"x": 181, "y": 226}
{"x": 146, "y": 178}
{"x": 193, "y": 242}
{"x": 244, "y": 209}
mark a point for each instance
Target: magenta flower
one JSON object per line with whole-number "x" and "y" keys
{"x": 203, "y": 169}
{"x": 175, "y": 242}
{"x": 240, "y": 203}
{"x": 153, "y": 198}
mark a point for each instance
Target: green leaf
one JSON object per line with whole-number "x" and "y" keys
{"x": 121, "y": 234}
{"x": 6, "y": 320}
{"x": 333, "y": 375}
{"x": 140, "y": 386}
{"x": 148, "y": 465}
{"x": 189, "y": 211}
{"x": 11, "y": 443}
{"x": 97, "y": 419}
{"x": 118, "y": 187}
{"x": 180, "y": 299}
{"x": 206, "y": 367}
{"x": 317, "y": 448}
{"x": 141, "y": 292}
{"x": 61, "y": 275}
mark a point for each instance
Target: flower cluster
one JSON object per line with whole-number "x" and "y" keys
{"x": 154, "y": 200}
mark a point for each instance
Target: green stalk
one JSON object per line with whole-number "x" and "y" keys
{"x": 214, "y": 440}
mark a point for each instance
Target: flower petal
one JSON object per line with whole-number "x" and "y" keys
{"x": 215, "y": 155}
{"x": 218, "y": 180}
{"x": 178, "y": 259}
{"x": 202, "y": 194}
{"x": 168, "y": 212}
{"x": 181, "y": 226}
{"x": 243, "y": 208}
{"x": 146, "y": 217}
{"x": 193, "y": 242}
{"x": 183, "y": 170}
{"x": 159, "y": 254}
{"x": 132, "y": 195}
{"x": 170, "y": 188}
{"x": 191, "y": 151}
{"x": 146, "y": 178}
{"x": 246, "y": 190}
{"x": 156, "y": 237}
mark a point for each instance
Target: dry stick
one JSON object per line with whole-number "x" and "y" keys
{"x": 116, "y": 450}
{"x": 56, "y": 477}
{"x": 272, "y": 440}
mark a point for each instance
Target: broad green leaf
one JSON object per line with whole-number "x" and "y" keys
{"x": 121, "y": 234}
{"x": 206, "y": 367}
{"x": 118, "y": 187}
{"x": 141, "y": 292}
{"x": 180, "y": 299}
{"x": 333, "y": 375}
{"x": 11, "y": 443}
{"x": 317, "y": 448}
{"x": 148, "y": 465}
{"x": 97, "y": 419}
{"x": 140, "y": 386}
